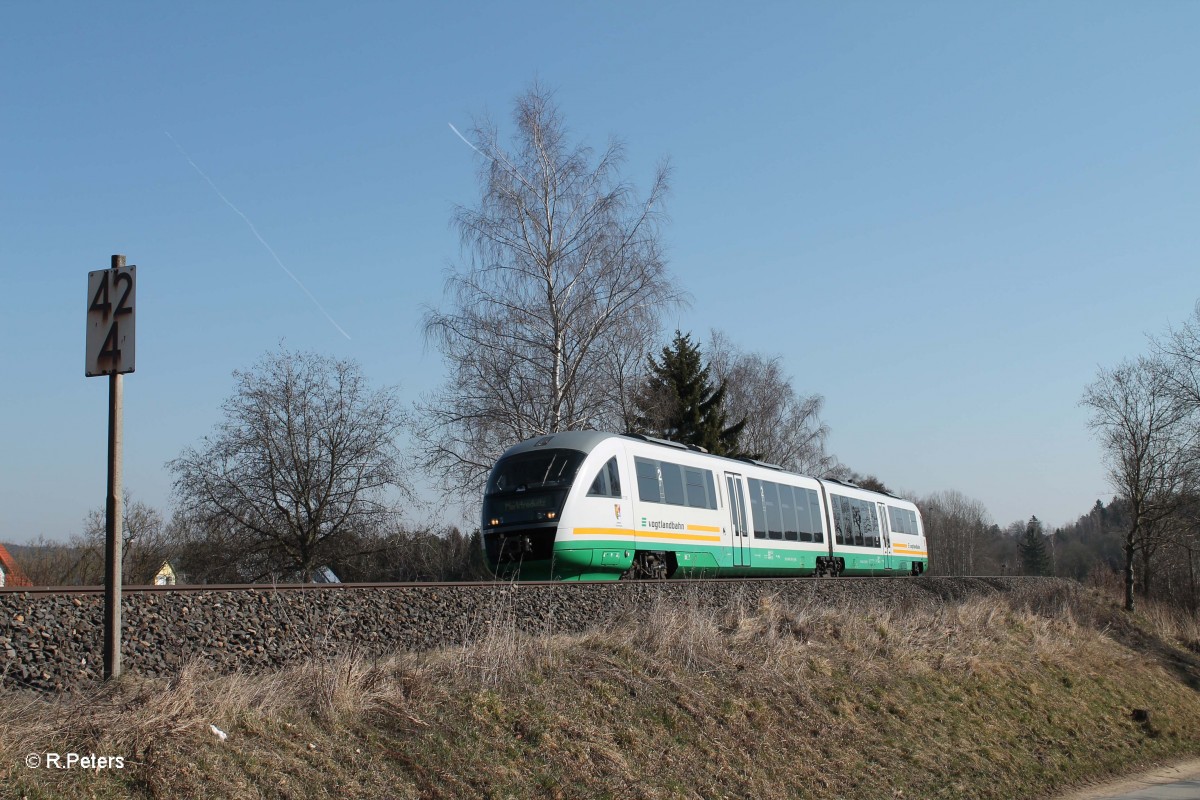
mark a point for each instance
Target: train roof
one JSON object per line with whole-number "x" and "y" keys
{"x": 586, "y": 441}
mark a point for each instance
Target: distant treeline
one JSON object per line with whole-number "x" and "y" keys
{"x": 962, "y": 541}
{"x": 445, "y": 554}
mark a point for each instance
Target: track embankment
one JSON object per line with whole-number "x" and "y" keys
{"x": 989, "y": 690}
{"x": 52, "y": 642}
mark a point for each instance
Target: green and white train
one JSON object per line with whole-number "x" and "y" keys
{"x": 586, "y": 505}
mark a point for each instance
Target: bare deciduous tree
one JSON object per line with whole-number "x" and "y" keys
{"x": 782, "y": 426}
{"x": 145, "y": 541}
{"x": 955, "y": 526}
{"x": 306, "y": 453}
{"x": 1180, "y": 351}
{"x": 560, "y": 296}
{"x": 51, "y": 563}
{"x": 1149, "y": 438}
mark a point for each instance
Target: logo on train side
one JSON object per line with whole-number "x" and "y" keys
{"x": 617, "y": 511}
{"x": 662, "y": 525}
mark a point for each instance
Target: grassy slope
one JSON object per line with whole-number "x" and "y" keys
{"x": 1007, "y": 696}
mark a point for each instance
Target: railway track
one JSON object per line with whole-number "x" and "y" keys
{"x": 308, "y": 587}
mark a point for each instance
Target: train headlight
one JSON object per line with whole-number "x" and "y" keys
{"x": 494, "y": 522}
{"x": 551, "y": 515}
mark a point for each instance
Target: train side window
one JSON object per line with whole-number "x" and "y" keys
{"x": 787, "y": 507}
{"x": 803, "y": 519}
{"x": 693, "y": 479}
{"x": 756, "y": 509}
{"x": 712, "y": 489}
{"x": 852, "y": 516}
{"x": 672, "y": 479}
{"x": 839, "y": 528}
{"x": 868, "y": 513}
{"x": 647, "y": 480}
{"x": 874, "y": 539}
{"x": 774, "y": 518}
{"x": 814, "y": 515}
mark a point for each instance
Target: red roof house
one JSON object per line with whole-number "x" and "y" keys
{"x": 10, "y": 573}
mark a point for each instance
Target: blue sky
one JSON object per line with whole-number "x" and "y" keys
{"x": 942, "y": 216}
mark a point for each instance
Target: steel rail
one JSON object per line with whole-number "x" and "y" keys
{"x": 309, "y": 587}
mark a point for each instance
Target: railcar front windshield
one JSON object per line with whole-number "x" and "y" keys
{"x": 530, "y": 487}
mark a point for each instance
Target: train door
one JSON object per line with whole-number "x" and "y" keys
{"x": 887, "y": 536}
{"x": 740, "y": 543}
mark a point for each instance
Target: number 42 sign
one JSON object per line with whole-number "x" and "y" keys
{"x": 110, "y": 321}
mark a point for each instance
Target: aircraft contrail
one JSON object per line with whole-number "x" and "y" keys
{"x": 258, "y": 235}
{"x": 459, "y": 135}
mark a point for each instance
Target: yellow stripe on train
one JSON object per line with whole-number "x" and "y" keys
{"x": 651, "y": 534}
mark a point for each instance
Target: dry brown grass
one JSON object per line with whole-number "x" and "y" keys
{"x": 1002, "y": 696}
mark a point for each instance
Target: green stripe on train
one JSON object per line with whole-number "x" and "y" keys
{"x": 605, "y": 559}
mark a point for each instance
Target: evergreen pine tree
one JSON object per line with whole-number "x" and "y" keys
{"x": 1035, "y": 560}
{"x": 681, "y": 404}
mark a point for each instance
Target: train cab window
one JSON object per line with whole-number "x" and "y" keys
{"x": 607, "y": 482}
{"x": 787, "y": 507}
{"x": 756, "y": 509}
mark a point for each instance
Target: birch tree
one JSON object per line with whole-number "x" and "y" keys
{"x": 1149, "y": 439}
{"x": 558, "y": 296}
